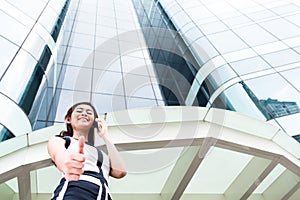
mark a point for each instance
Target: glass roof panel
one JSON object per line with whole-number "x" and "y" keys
{"x": 217, "y": 171}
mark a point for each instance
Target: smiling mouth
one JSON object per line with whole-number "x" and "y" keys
{"x": 83, "y": 118}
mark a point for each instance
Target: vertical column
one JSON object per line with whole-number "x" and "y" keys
{"x": 24, "y": 186}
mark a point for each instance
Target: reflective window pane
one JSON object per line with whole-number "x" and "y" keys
{"x": 82, "y": 41}
{"x": 283, "y": 57}
{"x": 279, "y": 26}
{"x": 138, "y": 86}
{"x": 236, "y": 99}
{"x": 220, "y": 76}
{"x": 107, "y": 61}
{"x": 249, "y": 65}
{"x": 213, "y": 27}
{"x": 108, "y": 103}
{"x": 7, "y": 55}
{"x": 28, "y": 9}
{"x": 233, "y": 21}
{"x": 79, "y": 57}
{"x": 76, "y": 78}
{"x": 14, "y": 30}
{"x": 258, "y": 35}
{"x": 226, "y": 42}
{"x": 34, "y": 44}
{"x": 285, "y": 9}
{"x": 288, "y": 124}
{"x": 21, "y": 69}
{"x": 134, "y": 65}
{"x": 262, "y": 14}
{"x": 295, "y": 19}
{"x": 48, "y": 18}
{"x": 133, "y": 102}
{"x": 293, "y": 77}
{"x": 283, "y": 100}
{"x": 108, "y": 82}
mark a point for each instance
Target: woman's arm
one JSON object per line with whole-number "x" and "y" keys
{"x": 71, "y": 164}
{"x": 116, "y": 162}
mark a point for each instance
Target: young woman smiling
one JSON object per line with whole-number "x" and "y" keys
{"x": 85, "y": 168}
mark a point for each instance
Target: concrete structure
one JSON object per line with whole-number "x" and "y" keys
{"x": 181, "y": 152}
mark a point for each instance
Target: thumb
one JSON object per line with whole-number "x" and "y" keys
{"x": 81, "y": 144}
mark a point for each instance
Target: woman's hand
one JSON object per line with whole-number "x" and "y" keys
{"x": 102, "y": 127}
{"x": 74, "y": 162}
{"x": 73, "y": 166}
{"x": 70, "y": 164}
{"x": 116, "y": 163}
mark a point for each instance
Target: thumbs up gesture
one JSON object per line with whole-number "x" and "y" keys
{"x": 81, "y": 144}
{"x": 74, "y": 163}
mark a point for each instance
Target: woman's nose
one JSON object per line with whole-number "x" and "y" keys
{"x": 84, "y": 113}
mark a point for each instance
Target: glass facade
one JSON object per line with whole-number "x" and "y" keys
{"x": 122, "y": 55}
{"x": 243, "y": 54}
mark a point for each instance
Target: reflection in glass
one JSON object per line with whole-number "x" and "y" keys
{"x": 214, "y": 80}
{"x": 236, "y": 99}
{"x": 34, "y": 44}
{"x": 273, "y": 86}
{"x": 5, "y": 134}
{"x": 219, "y": 76}
{"x": 279, "y": 108}
{"x": 59, "y": 21}
{"x": 204, "y": 50}
{"x": 174, "y": 64}
{"x": 297, "y": 137}
{"x": 35, "y": 80}
{"x": 272, "y": 108}
{"x": 20, "y": 69}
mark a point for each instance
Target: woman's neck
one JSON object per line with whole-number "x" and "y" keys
{"x": 78, "y": 133}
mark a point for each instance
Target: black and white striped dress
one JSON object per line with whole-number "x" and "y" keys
{"x": 92, "y": 184}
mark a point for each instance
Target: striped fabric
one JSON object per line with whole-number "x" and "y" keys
{"x": 93, "y": 183}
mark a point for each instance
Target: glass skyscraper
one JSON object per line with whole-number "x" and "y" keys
{"x": 203, "y": 97}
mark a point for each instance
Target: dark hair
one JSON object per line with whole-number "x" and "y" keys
{"x": 69, "y": 131}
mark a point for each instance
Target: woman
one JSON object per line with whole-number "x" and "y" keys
{"x": 85, "y": 167}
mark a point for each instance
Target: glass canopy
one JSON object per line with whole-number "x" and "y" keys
{"x": 170, "y": 153}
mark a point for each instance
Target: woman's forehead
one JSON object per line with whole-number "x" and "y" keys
{"x": 84, "y": 106}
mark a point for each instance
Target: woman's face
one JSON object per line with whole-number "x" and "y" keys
{"x": 82, "y": 117}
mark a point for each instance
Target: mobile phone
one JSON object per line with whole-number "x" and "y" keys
{"x": 97, "y": 127}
